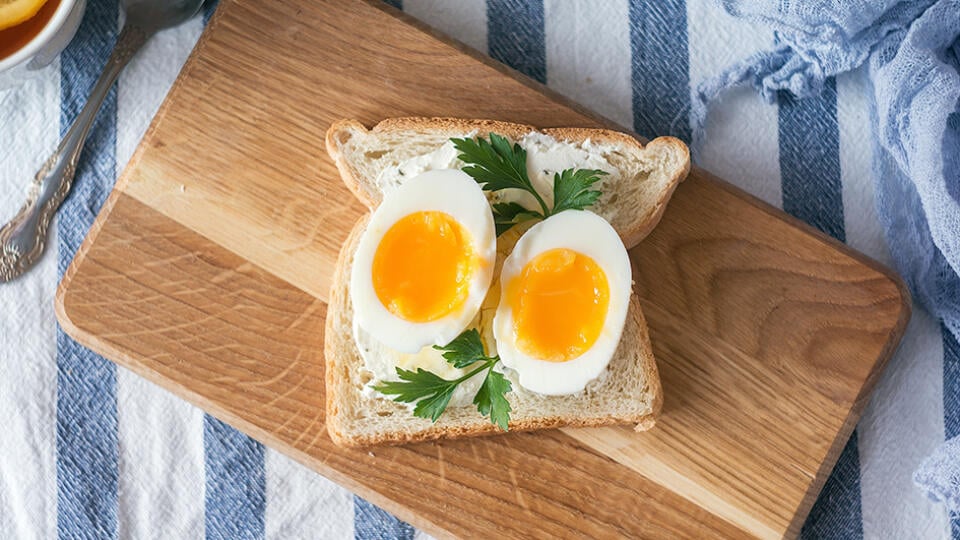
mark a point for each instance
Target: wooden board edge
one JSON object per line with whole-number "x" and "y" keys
{"x": 80, "y": 255}
{"x": 124, "y": 178}
{"x": 890, "y": 348}
{"x": 902, "y": 291}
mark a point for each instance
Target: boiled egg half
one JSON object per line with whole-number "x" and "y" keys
{"x": 565, "y": 290}
{"x": 424, "y": 262}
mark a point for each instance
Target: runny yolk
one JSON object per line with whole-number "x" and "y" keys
{"x": 559, "y": 303}
{"x": 423, "y": 265}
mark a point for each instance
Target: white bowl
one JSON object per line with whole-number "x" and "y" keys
{"x": 45, "y": 46}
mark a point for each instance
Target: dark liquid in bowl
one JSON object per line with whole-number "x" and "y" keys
{"x": 14, "y": 38}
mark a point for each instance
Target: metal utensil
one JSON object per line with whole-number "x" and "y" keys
{"x": 22, "y": 239}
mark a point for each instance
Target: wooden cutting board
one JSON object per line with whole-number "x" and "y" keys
{"x": 207, "y": 271}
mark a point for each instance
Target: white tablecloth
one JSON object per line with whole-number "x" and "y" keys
{"x": 91, "y": 450}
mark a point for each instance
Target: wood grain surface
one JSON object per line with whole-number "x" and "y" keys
{"x": 207, "y": 270}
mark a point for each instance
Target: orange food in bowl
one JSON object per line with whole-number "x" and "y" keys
{"x": 21, "y": 21}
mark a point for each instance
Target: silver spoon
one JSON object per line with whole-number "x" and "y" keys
{"x": 22, "y": 239}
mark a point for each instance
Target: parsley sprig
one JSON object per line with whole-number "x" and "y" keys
{"x": 497, "y": 165}
{"x": 432, "y": 393}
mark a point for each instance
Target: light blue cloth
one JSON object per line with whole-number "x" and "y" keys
{"x": 940, "y": 475}
{"x": 913, "y": 49}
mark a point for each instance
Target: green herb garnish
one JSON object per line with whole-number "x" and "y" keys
{"x": 432, "y": 393}
{"x": 497, "y": 165}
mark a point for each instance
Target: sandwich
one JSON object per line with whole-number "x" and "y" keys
{"x": 489, "y": 289}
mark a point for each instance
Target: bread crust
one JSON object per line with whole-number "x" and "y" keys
{"x": 340, "y": 350}
{"x": 342, "y": 130}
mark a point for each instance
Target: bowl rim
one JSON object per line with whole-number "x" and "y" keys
{"x": 43, "y": 37}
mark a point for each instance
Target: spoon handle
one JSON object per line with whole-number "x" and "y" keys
{"x": 22, "y": 239}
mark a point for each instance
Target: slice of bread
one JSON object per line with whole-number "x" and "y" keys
{"x": 627, "y": 392}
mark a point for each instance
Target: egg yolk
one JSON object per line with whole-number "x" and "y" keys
{"x": 559, "y": 303}
{"x": 423, "y": 266}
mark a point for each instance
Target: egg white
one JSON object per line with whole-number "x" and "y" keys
{"x": 450, "y": 191}
{"x": 587, "y": 233}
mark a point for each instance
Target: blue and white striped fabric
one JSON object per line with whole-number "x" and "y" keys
{"x": 91, "y": 451}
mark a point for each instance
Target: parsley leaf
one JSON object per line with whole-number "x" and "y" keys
{"x": 508, "y": 214}
{"x": 491, "y": 399}
{"x": 433, "y": 406}
{"x": 496, "y": 165}
{"x": 571, "y": 189}
{"x": 465, "y": 350}
{"x": 432, "y": 391}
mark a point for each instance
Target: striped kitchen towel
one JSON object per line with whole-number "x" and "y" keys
{"x": 913, "y": 52}
{"x": 92, "y": 451}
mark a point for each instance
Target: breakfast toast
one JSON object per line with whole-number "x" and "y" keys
{"x": 629, "y": 389}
